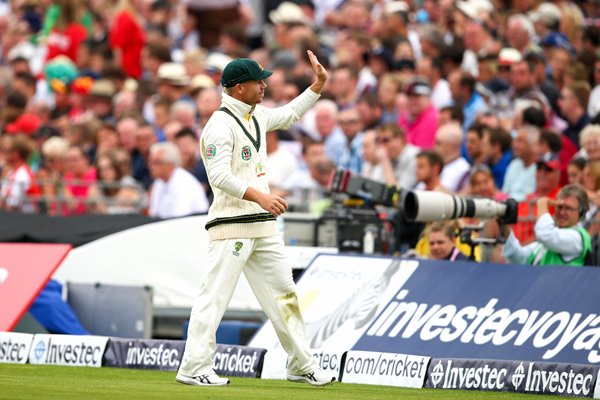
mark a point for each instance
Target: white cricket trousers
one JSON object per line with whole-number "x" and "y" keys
{"x": 270, "y": 276}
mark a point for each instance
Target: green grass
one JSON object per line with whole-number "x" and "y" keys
{"x": 29, "y": 382}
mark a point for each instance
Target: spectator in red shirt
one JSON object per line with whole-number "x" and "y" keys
{"x": 68, "y": 33}
{"x": 78, "y": 178}
{"x": 127, "y": 38}
{"x": 547, "y": 182}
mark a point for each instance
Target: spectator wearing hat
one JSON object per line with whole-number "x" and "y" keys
{"x": 26, "y": 124}
{"x": 18, "y": 184}
{"x": 573, "y": 106}
{"x": 100, "y": 99}
{"x": 519, "y": 180}
{"x": 127, "y": 38}
{"x": 560, "y": 239}
{"x": 173, "y": 82}
{"x": 421, "y": 119}
{"x": 547, "y": 184}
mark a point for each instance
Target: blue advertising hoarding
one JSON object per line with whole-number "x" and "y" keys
{"x": 488, "y": 311}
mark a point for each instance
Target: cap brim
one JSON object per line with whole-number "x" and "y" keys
{"x": 265, "y": 73}
{"x": 553, "y": 165}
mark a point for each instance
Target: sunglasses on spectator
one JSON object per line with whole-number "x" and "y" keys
{"x": 565, "y": 207}
{"x": 383, "y": 140}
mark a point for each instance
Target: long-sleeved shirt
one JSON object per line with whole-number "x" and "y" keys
{"x": 235, "y": 156}
{"x": 568, "y": 242}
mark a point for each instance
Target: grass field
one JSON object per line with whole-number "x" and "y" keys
{"x": 49, "y": 382}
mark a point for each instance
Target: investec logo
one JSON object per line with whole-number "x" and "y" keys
{"x": 560, "y": 381}
{"x": 66, "y": 351}
{"x": 152, "y": 356}
{"x": 552, "y": 331}
{"x": 445, "y": 376}
{"x": 526, "y": 377}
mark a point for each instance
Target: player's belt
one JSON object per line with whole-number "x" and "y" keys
{"x": 241, "y": 219}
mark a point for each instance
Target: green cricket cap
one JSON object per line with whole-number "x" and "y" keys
{"x": 242, "y": 70}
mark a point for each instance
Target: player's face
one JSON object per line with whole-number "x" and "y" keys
{"x": 253, "y": 92}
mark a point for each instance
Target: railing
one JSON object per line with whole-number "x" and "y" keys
{"x": 61, "y": 198}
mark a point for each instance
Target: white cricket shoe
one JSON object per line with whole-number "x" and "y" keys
{"x": 316, "y": 378}
{"x": 210, "y": 379}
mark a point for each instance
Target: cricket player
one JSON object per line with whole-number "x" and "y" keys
{"x": 242, "y": 229}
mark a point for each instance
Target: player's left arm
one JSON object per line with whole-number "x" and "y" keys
{"x": 284, "y": 117}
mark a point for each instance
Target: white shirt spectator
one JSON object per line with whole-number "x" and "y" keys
{"x": 519, "y": 180}
{"x": 180, "y": 195}
{"x": 281, "y": 164}
{"x": 405, "y": 166}
{"x": 454, "y": 174}
{"x": 441, "y": 96}
{"x": 594, "y": 102}
{"x": 16, "y": 187}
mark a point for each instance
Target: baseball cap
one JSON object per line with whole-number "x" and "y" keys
{"x": 26, "y": 123}
{"x": 549, "y": 161}
{"x": 242, "y": 70}
{"x": 509, "y": 56}
{"x": 418, "y": 88}
{"x": 559, "y": 40}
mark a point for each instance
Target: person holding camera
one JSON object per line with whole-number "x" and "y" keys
{"x": 560, "y": 240}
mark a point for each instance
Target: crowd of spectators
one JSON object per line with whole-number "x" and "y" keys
{"x": 103, "y": 102}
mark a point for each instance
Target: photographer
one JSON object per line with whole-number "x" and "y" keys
{"x": 561, "y": 240}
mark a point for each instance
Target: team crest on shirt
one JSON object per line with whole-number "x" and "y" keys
{"x": 237, "y": 246}
{"x": 260, "y": 170}
{"x": 211, "y": 151}
{"x": 246, "y": 153}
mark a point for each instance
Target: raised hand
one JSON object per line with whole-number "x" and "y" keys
{"x": 320, "y": 72}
